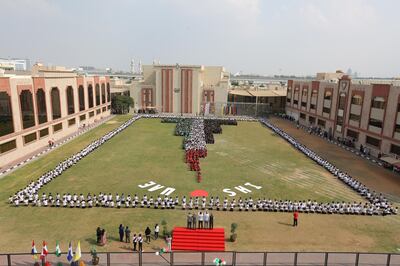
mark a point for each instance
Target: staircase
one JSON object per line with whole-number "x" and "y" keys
{"x": 198, "y": 239}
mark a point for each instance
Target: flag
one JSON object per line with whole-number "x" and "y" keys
{"x": 70, "y": 254}
{"x": 58, "y": 250}
{"x": 78, "y": 251}
{"x": 34, "y": 251}
{"x": 44, "y": 251}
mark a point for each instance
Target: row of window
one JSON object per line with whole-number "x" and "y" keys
{"x": 26, "y": 100}
{"x": 10, "y": 145}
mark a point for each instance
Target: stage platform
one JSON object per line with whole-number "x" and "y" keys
{"x": 198, "y": 239}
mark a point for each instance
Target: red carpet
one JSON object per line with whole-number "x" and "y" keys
{"x": 199, "y": 239}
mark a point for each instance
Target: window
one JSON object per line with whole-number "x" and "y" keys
{"x": 82, "y": 117}
{"x": 103, "y": 93}
{"x": 295, "y": 101}
{"x": 288, "y": 100}
{"x": 91, "y": 114}
{"x": 6, "y": 119}
{"x": 373, "y": 141}
{"x": 109, "y": 107}
{"x": 81, "y": 93}
{"x": 356, "y": 99}
{"x": 57, "y": 127}
{"x": 328, "y": 95}
{"x": 8, "y": 146}
{"x": 312, "y": 106}
{"x": 339, "y": 120}
{"x": 28, "y": 116}
{"x": 342, "y": 101}
{"x": 352, "y": 134}
{"x": 304, "y": 92}
{"x": 304, "y": 104}
{"x": 354, "y": 117}
{"x": 311, "y": 119}
{"x": 378, "y": 102}
{"x": 71, "y": 122}
{"x": 70, "y": 100}
{"x": 321, "y": 123}
{"x": 98, "y": 111}
{"x": 326, "y": 110}
{"x": 395, "y": 149}
{"x": 302, "y": 116}
{"x": 314, "y": 94}
{"x": 30, "y": 137}
{"x": 397, "y": 128}
{"x": 108, "y": 93}
{"x": 41, "y": 106}
{"x": 375, "y": 122}
{"x": 90, "y": 95}
{"x": 97, "y": 94}
{"x": 55, "y": 103}
{"x": 104, "y": 109}
{"x": 398, "y": 107}
{"x": 44, "y": 132}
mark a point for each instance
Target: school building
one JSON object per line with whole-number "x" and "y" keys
{"x": 363, "y": 110}
{"x": 180, "y": 89}
{"x": 48, "y": 103}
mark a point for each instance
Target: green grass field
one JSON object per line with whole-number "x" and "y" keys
{"x": 148, "y": 150}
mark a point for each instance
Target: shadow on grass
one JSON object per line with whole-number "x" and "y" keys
{"x": 287, "y": 224}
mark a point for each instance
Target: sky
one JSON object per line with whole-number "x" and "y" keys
{"x": 291, "y": 37}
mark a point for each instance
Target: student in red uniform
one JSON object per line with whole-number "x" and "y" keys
{"x": 295, "y": 218}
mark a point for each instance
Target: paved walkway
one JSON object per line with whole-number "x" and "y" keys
{"x": 8, "y": 168}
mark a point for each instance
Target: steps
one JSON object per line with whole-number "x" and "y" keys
{"x": 198, "y": 239}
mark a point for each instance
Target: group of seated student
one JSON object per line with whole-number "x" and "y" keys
{"x": 377, "y": 200}
{"x": 30, "y": 192}
{"x": 201, "y": 203}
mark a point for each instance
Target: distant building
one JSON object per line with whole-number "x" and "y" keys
{"x": 15, "y": 64}
{"x": 48, "y": 103}
{"x": 181, "y": 88}
{"x": 366, "y": 111}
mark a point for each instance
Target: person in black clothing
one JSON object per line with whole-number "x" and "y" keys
{"x": 121, "y": 233}
{"x": 140, "y": 240}
{"x": 211, "y": 223}
{"x": 98, "y": 234}
{"x": 135, "y": 241}
{"x": 147, "y": 233}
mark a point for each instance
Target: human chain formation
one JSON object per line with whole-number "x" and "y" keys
{"x": 29, "y": 196}
{"x": 201, "y": 203}
{"x": 377, "y": 202}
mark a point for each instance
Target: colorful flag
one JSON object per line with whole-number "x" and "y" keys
{"x": 78, "y": 252}
{"x": 34, "y": 251}
{"x": 58, "y": 250}
{"x": 44, "y": 251}
{"x": 70, "y": 254}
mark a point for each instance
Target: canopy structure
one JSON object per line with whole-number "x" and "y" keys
{"x": 390, "y": 160}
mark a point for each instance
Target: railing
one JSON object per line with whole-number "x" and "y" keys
{"x": 206, "y": 258}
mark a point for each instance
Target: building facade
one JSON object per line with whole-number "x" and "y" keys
{"x": 49, "y": 104}
{"x": 180, "y": 88}
{"x": 364, "y": 111}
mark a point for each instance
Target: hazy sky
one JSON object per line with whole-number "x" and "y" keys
{"x": 265, "y": 37}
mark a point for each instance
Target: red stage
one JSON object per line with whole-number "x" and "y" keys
{"x": 198, "y": 239}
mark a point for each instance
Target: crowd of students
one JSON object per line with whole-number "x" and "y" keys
{"x": 378, "y": 204}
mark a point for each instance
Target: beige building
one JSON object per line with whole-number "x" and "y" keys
{"x": 364, "y": 110}
{"x": 180, "y": 88}
{"x": 48, "y": 104}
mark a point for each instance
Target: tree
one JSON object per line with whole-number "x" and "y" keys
{"x": 120, "y": 104}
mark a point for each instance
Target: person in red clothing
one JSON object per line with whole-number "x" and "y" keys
{"x": 295, "y": 218}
